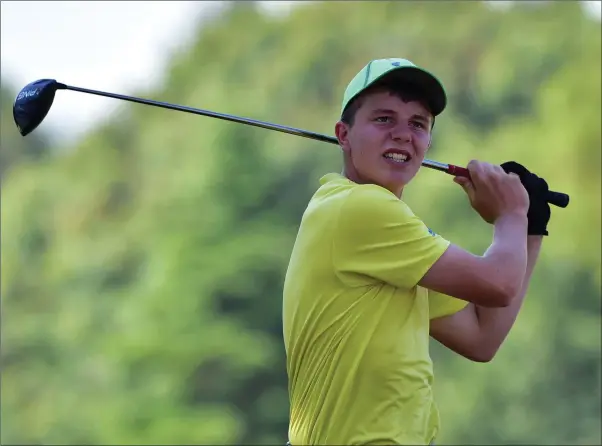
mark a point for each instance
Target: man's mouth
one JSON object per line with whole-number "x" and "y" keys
{"x": 398, "y": 156}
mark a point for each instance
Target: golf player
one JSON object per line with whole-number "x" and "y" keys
{"x": 368, "y": 282}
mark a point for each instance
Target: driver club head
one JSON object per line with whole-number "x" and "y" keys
{"x": 33, "y": 103}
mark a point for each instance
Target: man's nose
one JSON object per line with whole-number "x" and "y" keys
{"x": 401, "y": 132}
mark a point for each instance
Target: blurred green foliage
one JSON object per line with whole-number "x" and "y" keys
{"x": 142, "y": 269}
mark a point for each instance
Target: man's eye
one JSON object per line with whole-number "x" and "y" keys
{"x": 419, "y": 124}
{"x": 382, "y": 118}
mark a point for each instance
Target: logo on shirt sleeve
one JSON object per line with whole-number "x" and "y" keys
{"x": 432, "y": 232}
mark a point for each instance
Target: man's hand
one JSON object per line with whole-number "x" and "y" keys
{"x": 539, "y": 210}
{"x": 494, "y": 193}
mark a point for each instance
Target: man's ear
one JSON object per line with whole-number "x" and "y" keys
{"x": 341, "y": 131}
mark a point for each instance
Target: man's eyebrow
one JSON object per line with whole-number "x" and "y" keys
{"x": 385, "y": 111}
{"x": 419, "y": 116}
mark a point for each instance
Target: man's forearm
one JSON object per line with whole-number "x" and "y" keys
{"x": 495, "y": 323}
{"x": 508, "y": 254}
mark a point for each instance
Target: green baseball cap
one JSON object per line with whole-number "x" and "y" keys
{"x": 401, "y": 70}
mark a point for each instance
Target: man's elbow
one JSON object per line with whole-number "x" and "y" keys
{"x": 483, "y": 355}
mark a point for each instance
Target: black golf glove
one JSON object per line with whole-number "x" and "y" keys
{"x": 539, "y": 210}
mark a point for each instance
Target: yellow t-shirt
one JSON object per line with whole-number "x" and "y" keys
{"x": 356, "y": 325}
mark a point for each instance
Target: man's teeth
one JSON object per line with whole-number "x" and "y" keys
{"x": 399, "y": 157}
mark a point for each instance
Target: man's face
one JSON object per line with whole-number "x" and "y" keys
{"x": 387, "y": 141}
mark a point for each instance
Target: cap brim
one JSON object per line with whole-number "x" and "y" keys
{"x": 435, "y": 94}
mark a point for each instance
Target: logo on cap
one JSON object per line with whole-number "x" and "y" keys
{"x": 396, "y": 64}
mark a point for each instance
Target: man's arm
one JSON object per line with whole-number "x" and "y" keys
{"x": 490, "y": 280}
{"x": 477, "y": 332}
{"x": 380, "y": 240}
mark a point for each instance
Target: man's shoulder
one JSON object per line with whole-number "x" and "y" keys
{"x": 370, "y": 204}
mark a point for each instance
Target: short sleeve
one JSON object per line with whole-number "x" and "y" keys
{"x": 380, "y": 239}
{"x": 443, "y": 305}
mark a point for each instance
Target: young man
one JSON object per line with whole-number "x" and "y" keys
{"x": 368, "y": 282}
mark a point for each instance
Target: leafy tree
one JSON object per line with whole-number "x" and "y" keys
{"x": 142, "y": 272}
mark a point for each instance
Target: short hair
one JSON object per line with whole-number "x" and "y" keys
{"x": 407, "y": 92}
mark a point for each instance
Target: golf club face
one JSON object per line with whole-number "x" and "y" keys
{"x": 33, "y": 103}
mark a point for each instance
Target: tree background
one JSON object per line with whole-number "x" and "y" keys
{"x": 142, "y": 267}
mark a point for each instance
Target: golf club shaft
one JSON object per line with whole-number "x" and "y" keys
{"x": 555, "y": 198}
{"x": 448, "y": 168}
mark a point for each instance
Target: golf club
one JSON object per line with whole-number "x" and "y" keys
{"x": 35, "y": 99}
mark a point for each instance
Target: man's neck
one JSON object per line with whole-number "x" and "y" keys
{"x": 352, "y": 175}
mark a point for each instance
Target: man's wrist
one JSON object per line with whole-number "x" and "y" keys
{"x": 512, "y": 218}
{"x": 511, "y": 230}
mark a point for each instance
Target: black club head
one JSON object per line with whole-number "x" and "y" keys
{"x": 33, "y": 103}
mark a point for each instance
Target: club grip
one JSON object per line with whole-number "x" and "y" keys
{"x": 458, "y": 171}
{"x": 555, "y": 198}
